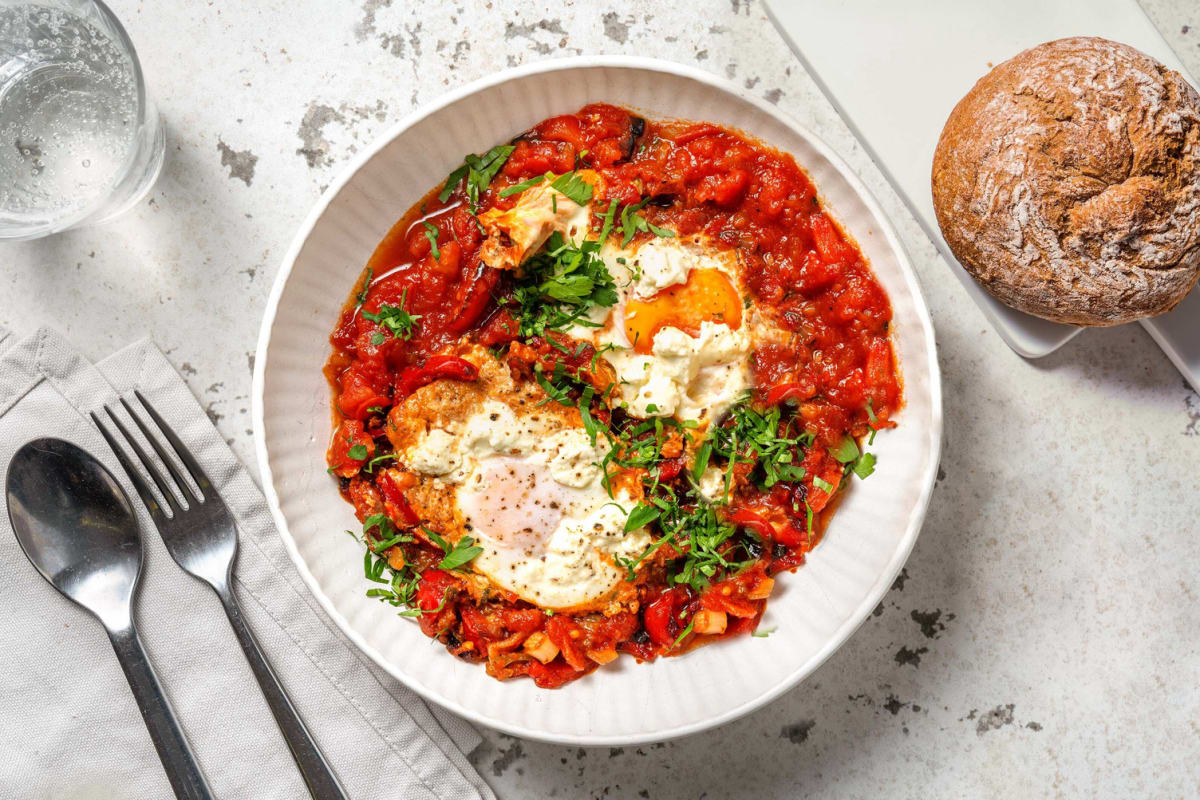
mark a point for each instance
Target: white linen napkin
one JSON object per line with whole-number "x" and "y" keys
{"x": 70, "y": 727}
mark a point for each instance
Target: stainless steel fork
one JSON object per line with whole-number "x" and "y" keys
{"x": 201, "y": 536}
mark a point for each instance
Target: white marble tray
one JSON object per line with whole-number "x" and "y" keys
{"x": 895, "y": 70}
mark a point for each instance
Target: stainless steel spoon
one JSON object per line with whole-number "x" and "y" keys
{"x": 78, "y": 529}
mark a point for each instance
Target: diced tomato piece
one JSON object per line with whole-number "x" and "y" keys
{"x": 555, "y": 674}
{"x": 569, "y": 637}
{"x": 662, "y": 617}
{"x": 359, "y": 394}
{"x": 525, "y": 620}
{"x": 828, "y": 239}
{"x": 501, "y": 328}
{"x": 725, "y": 189}
{"x": 349, "y": 449}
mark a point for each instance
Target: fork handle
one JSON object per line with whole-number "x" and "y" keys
{"x": 173, "y": 749}
{"x": 318, "y": 775}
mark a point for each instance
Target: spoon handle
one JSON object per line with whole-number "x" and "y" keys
{"x": 318, "y": 775}
{"x": 169, "y": 740}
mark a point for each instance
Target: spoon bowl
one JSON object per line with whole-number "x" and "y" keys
{"x": 78, "y": 529}
{"x": 76, "y": 526}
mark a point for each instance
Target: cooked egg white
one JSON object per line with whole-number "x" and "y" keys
{"x": 513, "y": 235}
{"x": 528, "y": 488}
{"x": 664, "y": 370}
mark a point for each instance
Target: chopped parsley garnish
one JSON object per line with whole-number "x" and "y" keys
{"x": 463, "y": 551}
{"x": 379, "y": 534}
{"x": 366, "y": 287}
{"x": 822, "y": 484}
{"x": 703, "y": 455}
{"x": 874, "y": 421}
{"x": 703, "y": 536}
{"x": 576, "y": 189}
{"x": 847, "y": 451}
{"x": 394, "y": 318}
{"x": 642, "y": 515}
{"x": 478, "y": 171}
{"x": 755, "y": 436}
{"x": 431, "y": 233}
{"x": 358, "y": 452}
{"x": 561, "y": 285}
{"x": 683, "y": 634}
{"x": 378, "y": 460}
{"x": 633, "y": 223}
{"x": 517, "y": 188}
{"x": 460, "y": 553}
{"x": 865, "y": 465}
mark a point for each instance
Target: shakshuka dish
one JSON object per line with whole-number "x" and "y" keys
{"x": 595, "y": 392}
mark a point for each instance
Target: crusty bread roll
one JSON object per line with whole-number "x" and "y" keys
{"x": 1067, "y": 182}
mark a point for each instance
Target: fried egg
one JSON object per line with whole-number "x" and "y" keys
{"x": 520, "y": 478}
{"x": 678, "y": 337}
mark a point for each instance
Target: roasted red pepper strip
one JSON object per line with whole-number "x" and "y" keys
{"x": 475, "y": 299}
{"x": 662, "y": 617}
{"x": 669, "y": 469}
{"x": 436, "y": 368}
{"x": 755, "y": 522}
{"x": 394, "y": 501}
{"x": 785, "y": 535}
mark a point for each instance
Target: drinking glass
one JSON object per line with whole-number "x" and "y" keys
{"x": 80, "y": 142}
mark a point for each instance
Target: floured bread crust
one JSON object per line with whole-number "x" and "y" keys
{"x": 1067, "y": 182}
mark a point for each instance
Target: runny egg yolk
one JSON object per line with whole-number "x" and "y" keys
{"x": 706, "y": 296}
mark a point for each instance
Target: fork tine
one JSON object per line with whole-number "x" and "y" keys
{"x": 184, "y": 486}
{"x": 139, "y": 483}
{"x": 155, "y": 474}
{"x": 184, "y": 454}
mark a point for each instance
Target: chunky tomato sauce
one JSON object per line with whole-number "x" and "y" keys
{"x": 834, "y": 378}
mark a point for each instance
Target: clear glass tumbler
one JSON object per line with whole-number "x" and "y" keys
{"x": 80, "y": 142}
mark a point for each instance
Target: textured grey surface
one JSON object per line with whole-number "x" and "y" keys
{"x": 1042, "y": 639}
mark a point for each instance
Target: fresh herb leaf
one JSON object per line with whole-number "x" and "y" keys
{"x": 763, "y": 634}
{"x": 874, "y": 420}
{"x": 641, "y": 516}
{"x": 703, "y": 455}
{"x": 560, "y": 286}
{"x": 759, "y": 437}
{"x": 683, "y": 634}
{"x": 358, "y": 452}
{"x": 633, "y": 223}
{"x": 463, "y": 551}
{"x": 431, "y": 233}
{"x": 438, "y": 540}
{"x": 366, "y": 287}
{"x": 394, "y": 318}
{"x": 378, "y": 338}
{"x": 517, "y": 188}
{"x": 379, "y": 460}
{"x": 479, "y": 172}
{"x": 452, "y": 181}
{"x": 865, "y": 465}
{"x": 822, "y": 484}
{"x": 846, "y": 451}
{"x": 576, "y": 189}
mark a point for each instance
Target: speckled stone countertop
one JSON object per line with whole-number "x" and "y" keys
{"x": 1042, "y": 640}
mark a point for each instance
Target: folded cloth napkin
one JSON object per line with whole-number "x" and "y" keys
{"x": 70, "y": 727}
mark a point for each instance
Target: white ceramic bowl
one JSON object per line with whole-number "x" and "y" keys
{"x": 815, "y": 610}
